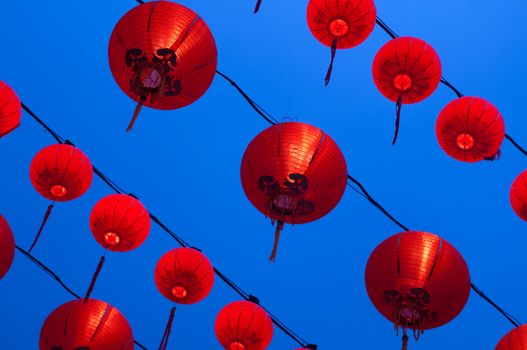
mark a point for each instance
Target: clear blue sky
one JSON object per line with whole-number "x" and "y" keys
{"x": 184, "y": 165}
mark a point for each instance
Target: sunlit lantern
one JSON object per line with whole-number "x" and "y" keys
{"x": 418, "y": 281}
{"x": 244, "y": 325}
{"x": 470, "y": 129}
{"x": 518, "y": 195}
{"x": 90, "y": 325}
{"x": 340, "y": 24}
{"x": 184, "y": 276}
{"x": 7, "y": 247}
{"x": 10, "y": 109}
{"x": 293, "y": 173}
{"x": 162, "y": 55}
{"x": 60, "y": 173}
{"x": 119, "y": 222}
{"x": 514, "y": 340}
{"x": 406, "y": 70}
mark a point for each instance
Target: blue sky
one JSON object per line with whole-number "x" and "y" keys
{"x": 184, "y": 166}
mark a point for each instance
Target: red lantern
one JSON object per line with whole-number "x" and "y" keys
{"x": 514, "y": 340}
{"x": 470, "y": 129}
{"x": 59, "y": 173}
{"x": 293, "y": 173}
{"x": 119, "y": 222}
{"x": 93, "y": 325}
{"x": 184, "y": 276}
{"x": 162, "y": 55}
{"x": 7, "y": 247}
{"x": 340, "y": 24}
{"x": 418, "y": 281}
{"x": 406, "y": 70}
{"x": 244, "y": 325}
{"x": 10, "y": 109}
{"x": 518, "y": 195}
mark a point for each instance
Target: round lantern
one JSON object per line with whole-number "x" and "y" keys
{"x": 340, "y": 24}
{"x": 7, "y": 247}
{"x": 93, "y": 325}
{"x": 418, "y": 281}
{"x": 244, "y": 325}
{"x": 518, "y": 195}
{"x": 514, "y": 340}
{"x": 10, "y": 109}
{"x": 293, "y": 173}
{"x": 61, "y": 172}
{"x": 470, "y": 129}
{"x": 406, "y": 70}
{"x": 162, "y": 55}
{"x": 119, "y": 223}
{"x": 184, "y": 276}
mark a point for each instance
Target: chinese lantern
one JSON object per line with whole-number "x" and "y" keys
{"x": 162, "y": 55}
{"x": 406, "y": 70}
{"x": 119, "y": 222}
{"x": 243, "y": 325}
{"x": 470, "y": 129}
{"x": 418, "y": 281}
{"x": 184, "y": 276}
{"x": 10, "y": 109}
{"x": 293, "y": 173}
{"x": 79, "y": 325}
{"x": 514, "y": 340}
{"x": 7, "y": 247}
{"x": 60, "y": 173}
{"x": 518, "y": 195}
{"x": 340, "y": 24}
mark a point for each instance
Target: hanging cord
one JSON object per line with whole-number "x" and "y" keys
{"x": 405, "y": 341}
{"x": 330, "y": 68}
{"x": 269, "y": 118}
{"x": 46, "y": 217}
{"x": 507, "y": 315}
{"x": 168, "y": 329}
{"x": 398, "y": 107}
{"x": 56, "y": 136}
{"x": 94, "y": 278}
{"x": 50, "y": 272}
{"x": 515, "y": 144}
{"x": 257, "y": 7}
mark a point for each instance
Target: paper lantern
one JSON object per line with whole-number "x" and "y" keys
{"x": 340, "y": 24}
{"x": 10, "y": 109}
{"x": 406, "y": 70}
{"x": 518, "y": 195}
{"x": 7, "y": 247}
{"x": 418, "y": 281}
{"x": 470, "y": 129}
{"x": 119, "y": 222}
{"x": 94, "y": 325}
{"x": 514, "y": 340}
{"x": 293, "y": 173}
{"x": 184, "y": 276}
{"x": 244, "y": 325}
{"x": 162, "y": 55}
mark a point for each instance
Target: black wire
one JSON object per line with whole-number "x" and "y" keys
{"x": 511, "y": 140}
{"x": 508, "y": 316}
{"x": 58, "y": 279}
{"x": 269, "y": 118}
{"x": 376, "y": 204}
{"x": 56, "y": 136}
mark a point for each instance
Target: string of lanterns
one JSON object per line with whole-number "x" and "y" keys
{"x": 307, "y": 180}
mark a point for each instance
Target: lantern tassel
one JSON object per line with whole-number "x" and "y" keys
{"x": 398, "y": 107}
{"x": 405, "y": 341}
{"x": 257, "y": 8}
{"x": 46, "y": 217}
{"x": 94, "y": 279}
{"x": 330, "y": 68}
{"x": 166, "y": 336}
{"x": 136, "y": 114}
{"x": 279, "y": 227}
